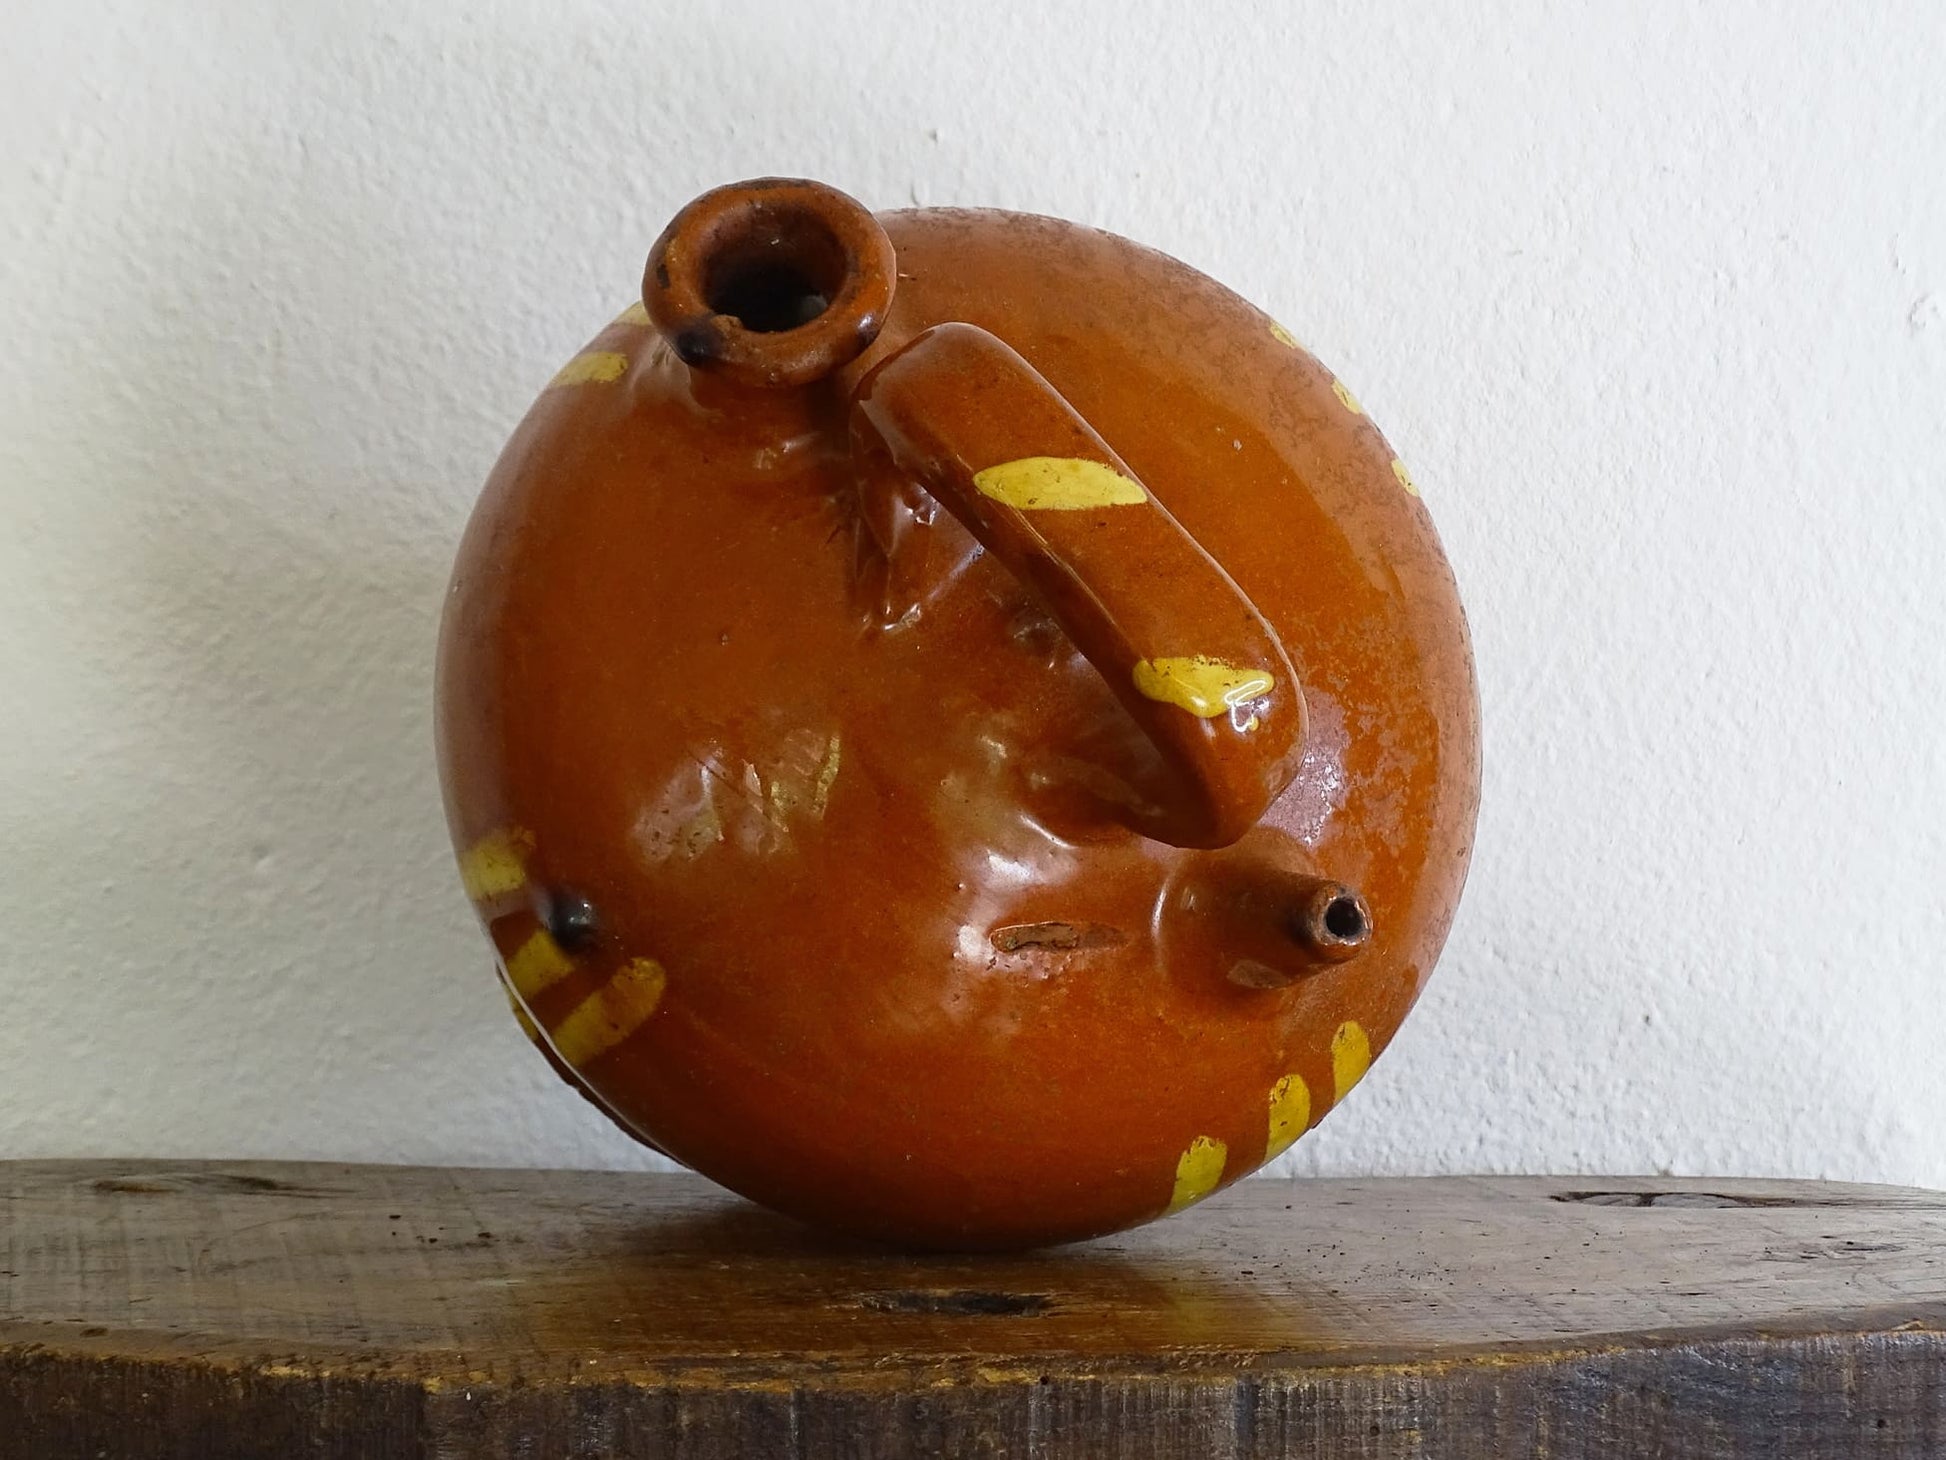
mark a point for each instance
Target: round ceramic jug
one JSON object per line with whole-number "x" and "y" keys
{"x": 957, "y": 727}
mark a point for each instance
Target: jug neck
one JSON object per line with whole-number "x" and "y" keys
{"x": 769, "y": 285}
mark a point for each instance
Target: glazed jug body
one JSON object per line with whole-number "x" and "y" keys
{"x": 816, "y": 850}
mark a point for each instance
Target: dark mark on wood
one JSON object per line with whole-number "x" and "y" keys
{"x": 1693, "y": 1200}
{"x": 960, "y": 1303}
{"x": 174, "y": 1183}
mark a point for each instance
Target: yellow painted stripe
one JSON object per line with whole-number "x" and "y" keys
{"x": 1404, "y": 476}
{"x": 1197, "y": 1171}
{"x": 1205, "y": 687}
{"x": 523, "y": 1018}
{"x": 496, "y": 865}
{"x": 1346, "y": 398}
{"x": 1057, "y": 484}
{"x": 1283, "y": 336}
{"x": 537, "y": 965}
{"x": 1290, "y": 1114}
{"x": 1351, "y": 1056}
{"x": 613, "y": 1012}
{"x": 591, "y": 367}
{"x": 634, "y": 314}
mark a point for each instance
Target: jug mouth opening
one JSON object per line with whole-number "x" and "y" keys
{"x": 772, "y": 283}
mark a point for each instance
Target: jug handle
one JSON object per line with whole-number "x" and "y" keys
{"x": 1196, "y": 665}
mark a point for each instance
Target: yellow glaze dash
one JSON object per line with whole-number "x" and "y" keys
{"x": 538, "y": 964}
{"x": 496, "y": 865}
{"x": 1197, "y": 1171}
{"x": 634, "y": 314}
{"x": 523, "y": 1018}
{"x": 1205, "y": 687}
{"x": 592, "y": 367}
{"x": 1351, "y": 1056}
{"x": 1346, "y": 398}
{"x": 613, "y": 1012}
{"x": 1404, "y": 476}
{"x": 1290, "y": 1114}
{"x": 1057, "y": 484}
{"x": 1282, "y": 335}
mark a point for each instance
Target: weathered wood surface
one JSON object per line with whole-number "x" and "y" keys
{"x": 189, "y": 1309}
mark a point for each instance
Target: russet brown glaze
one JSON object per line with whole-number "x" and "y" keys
{"x": 957, "y": 728}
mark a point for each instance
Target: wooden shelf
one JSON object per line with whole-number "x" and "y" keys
{"x": 170, "y": 1308}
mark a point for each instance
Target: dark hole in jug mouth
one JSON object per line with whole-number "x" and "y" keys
{"x": 775, "y": 270}
{"x": 768, "y": 301}
{"x": 1344, "y": 919}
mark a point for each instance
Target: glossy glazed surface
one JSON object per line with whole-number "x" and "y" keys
{"x": 806, "y": 835}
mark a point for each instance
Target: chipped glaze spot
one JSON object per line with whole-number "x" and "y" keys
{"x": 1283, "y": 336}
{"x": 1346, "y": 398}
{"x": 1351, "y": 1056}
{"x": 592, "y": 367}
{"x": 1404, "y": 476}
{"x": 761, "y": 809}
{"x": 1290, "y": 1114}
{"x": 798, "y": 786}
{"x": 496, "y": 865}
{"x": 781, "y": 797}
{"x": 611, "y": 1013}
{"x": 537, "y": 965}
{"x": 1057, "y": 484}
{"x": 1197, "y": 1171}
{"x": 1204, "y": 687}
{"x": 827, "y": 774}
{"x": 636, "y": 313}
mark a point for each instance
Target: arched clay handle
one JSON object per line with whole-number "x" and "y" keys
{"x": 1195, "y": 663}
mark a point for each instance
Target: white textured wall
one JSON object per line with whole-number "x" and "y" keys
{"x": 1652, "y": 297}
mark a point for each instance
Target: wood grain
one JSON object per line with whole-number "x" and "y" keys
{"x": 177, "y": 1309}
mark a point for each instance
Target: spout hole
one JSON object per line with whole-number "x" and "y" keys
{"x": 1344, "y": 918}
{"x": 569, "y": 918}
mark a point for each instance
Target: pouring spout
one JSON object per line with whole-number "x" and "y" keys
{"x": 1307, "y": 924}
{"x": 1331, "y": 921}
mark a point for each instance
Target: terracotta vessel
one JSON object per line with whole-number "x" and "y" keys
{"x": 956, "y": 726}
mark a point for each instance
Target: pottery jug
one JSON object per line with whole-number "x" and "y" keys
{"x": 956, "y": 726}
